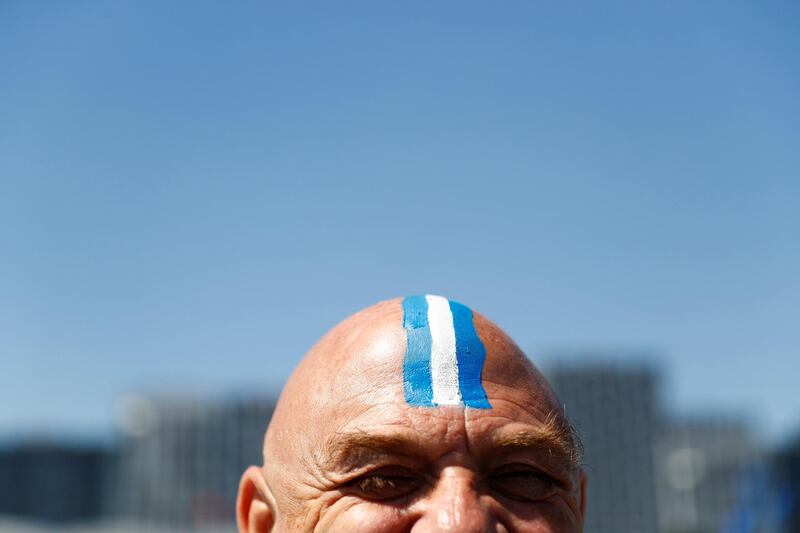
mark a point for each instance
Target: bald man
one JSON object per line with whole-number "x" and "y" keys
{"x": 416, "y": 415}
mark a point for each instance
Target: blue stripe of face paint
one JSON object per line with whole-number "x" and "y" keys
{"x": 470, "y": 354}
{"x": 417, "y": 364}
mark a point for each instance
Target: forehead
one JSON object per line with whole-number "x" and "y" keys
{"x": 421, "y": 360}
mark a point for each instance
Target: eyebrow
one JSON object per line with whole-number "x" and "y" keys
{"x": 342, "y": 449}
{"x": 558, "y": 440}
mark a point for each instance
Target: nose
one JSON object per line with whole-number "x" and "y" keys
{"x": 454, "y": 505}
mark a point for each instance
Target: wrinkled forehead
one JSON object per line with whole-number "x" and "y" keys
{"x": 424, "y": 352}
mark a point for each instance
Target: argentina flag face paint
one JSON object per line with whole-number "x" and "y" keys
{"x": 444, "y": 355}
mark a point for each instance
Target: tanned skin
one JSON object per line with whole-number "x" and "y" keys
{"x": 344, "y": 452}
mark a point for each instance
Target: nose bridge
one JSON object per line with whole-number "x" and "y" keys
{"x": 454, "y": 505}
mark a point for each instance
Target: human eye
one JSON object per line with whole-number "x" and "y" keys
{"x": 521, "y": 482}
{"x": 387, "y": 483}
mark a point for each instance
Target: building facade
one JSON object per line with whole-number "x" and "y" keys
{"x": 181, "y": 460}
{"x": 54, "y": 483}
{"x": 613, "y": 407}
{"x": 700, "y": 462}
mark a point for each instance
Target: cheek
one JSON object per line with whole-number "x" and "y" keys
{"x": 365, "y": 517}
{"x": 550, "y": 516}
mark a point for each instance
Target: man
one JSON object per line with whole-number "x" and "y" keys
{"x": 416, "y": 414}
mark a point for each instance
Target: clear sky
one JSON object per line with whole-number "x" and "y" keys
{"x": 192, "y": 193}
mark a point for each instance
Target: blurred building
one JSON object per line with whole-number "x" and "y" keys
{"x": 699, "y": 464}
{"x": 613, "y": 407}
{"x": 181, "y": 460}
{"x": 768, "y": 495}
{"x": 53, "y": 482}
{"x": 786, "y": 476}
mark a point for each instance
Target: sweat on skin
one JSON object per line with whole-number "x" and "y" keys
{"x": 386, "y": 426}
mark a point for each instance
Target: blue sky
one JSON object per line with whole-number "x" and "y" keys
{"x": 192, "y": 193}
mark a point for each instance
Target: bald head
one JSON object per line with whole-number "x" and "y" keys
{"x": 416, "y": 414}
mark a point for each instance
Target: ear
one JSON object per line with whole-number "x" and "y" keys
{"x": 255, "y": 511}
{"x": 582, "y": 483}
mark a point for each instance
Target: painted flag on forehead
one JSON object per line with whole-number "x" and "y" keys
{"x": 444, "y": 355}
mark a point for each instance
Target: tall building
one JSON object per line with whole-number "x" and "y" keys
{"x": 700, "y": 462}
{"x": 181, "y": 460}
{"x": 787, "y": 487}
{"x": 613, "y": 407}
{"x": 53, "y": 482}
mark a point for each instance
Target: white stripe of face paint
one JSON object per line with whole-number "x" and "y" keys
{"x": 444, "y": 365}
